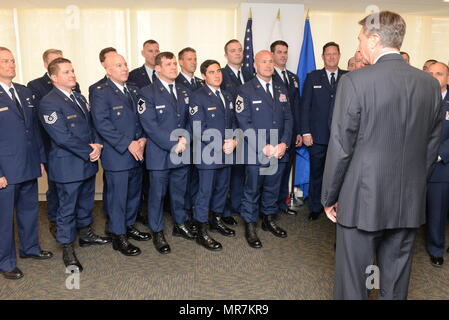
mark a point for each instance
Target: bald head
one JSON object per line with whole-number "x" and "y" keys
{"x": 264, "y": 65}
{"x": 440, "y": 71}
{"x": 116, "y": 68}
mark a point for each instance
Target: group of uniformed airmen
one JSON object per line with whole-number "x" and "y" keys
{"x": 138, "y": 124}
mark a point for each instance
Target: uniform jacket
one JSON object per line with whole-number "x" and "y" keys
{"x": 139, "y": 77}
{"x": 159, "y": 116}
{"x": 21, "y": 148}
{"x": 230, "y": 82}
{"x": 385, "y": 137}
{"x": 183, "y": 81}
{"x": 96, "y": 84}
{"x": 117, "y": 122}
{"x": 71, "y": 131}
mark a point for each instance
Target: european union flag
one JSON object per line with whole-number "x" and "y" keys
{"x": 248, "y": 53}
{"x": 305, "y": 65}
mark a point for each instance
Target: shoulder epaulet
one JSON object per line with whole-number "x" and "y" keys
{"x": 101, "y": 86}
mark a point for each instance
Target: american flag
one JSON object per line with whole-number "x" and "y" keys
{"x": 248, "y": 53}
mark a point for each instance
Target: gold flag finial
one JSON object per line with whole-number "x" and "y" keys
{"x": 279, "y": 14}
{"x": 307, "y": 16}
{"x": 250, "y": 14}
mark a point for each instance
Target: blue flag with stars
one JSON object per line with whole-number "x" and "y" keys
{"x": 248, "y": 53}
{"x": 305, "y": 65}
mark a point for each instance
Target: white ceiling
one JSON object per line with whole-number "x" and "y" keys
{"x": 421, "y": 7}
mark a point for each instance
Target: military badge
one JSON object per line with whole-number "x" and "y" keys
{"x": 51, "y": 119}
{"x": 186, "y": 100}
{"x": 193, "y": 110}
{"x": 141, "y": 107}
{"x": 239, "y": 104}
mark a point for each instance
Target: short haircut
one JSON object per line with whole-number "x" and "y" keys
{"x": 442, "y": 64}
{"x": 53, "y": 67}
{"x": 388, "y": 25}
{"x": 403, "y": 52}
{"x": 185, "y": 50}
{"x": 103, "y": 52}
{"x": 151, "y": 41}
{"x": 277, "y": 43}
{"x": 431, "y": 60}
{"x": 331, "y": 44}
{"x": 49, "y": 52}
{"x": 4, "y": 49}
{"x": 166, "y": 55}
{"x": 228, "y": 43}
{"x": 206, "y": 64}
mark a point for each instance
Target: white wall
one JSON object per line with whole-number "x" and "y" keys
{"x": 264, "y": 16}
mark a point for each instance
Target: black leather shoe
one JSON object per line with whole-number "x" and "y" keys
{"x": 447, "y": 250}
{"x": 229, "y": 220}
{"x": 160, "y": 243}
{"x": 268, "y": 224}
{"x": 52, "y": 228}
{"x": 192, "y": 226}
{"x": 87, "y": 237}
{"x": 181, "y": 230}
{"x": 314, "y": 215}
{"x": 43, "y": 255}
{"x": 135, "y": 234}
{"x": 14, "y": 274}
{"x": 205, "y": 240}
{"x": 69, "y": 257}
{"x": 289, "y": 212}
{"x": 251, "y": 235}
{"x": 216, "y": 225}
{"x": 122, "y": 244}
{"x": 437, "y": 261}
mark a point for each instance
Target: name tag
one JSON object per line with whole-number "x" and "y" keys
{"x": 160, "y": 107}
{"x": 117, "y": 108}
{"x": 317, "y": 87}
{"x": 257, "y": 101}
{"x": 212, "y": 108}
{"x": 4, "y": 109}
{"x": 73, "y": 116}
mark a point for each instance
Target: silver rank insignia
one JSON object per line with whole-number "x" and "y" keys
{"x": 141, "y": 107}
{"x": 193, "y": 110}
{"x": 231, "y": 106}
{"x": 51, "y": 119}
{"x": 239, "y": 105}
{"x": 186, "y": 100}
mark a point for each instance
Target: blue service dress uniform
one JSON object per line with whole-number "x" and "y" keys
{"x": 116, "y": 120}
{"x": 21, "y": 153}
{"x": 140, "y": 77}
{"x": 258, "y": 112}
{"x": 70, "y": 127}
{"x": 292, "y": 87}
{"x": 40, "y": 87}
{"x": 316, "y": 104}
{"x": 207, "y": 111}
{"x": 438, "y": 191}
{"x": 160, "y": 115}
{"x": 230, "y": 84}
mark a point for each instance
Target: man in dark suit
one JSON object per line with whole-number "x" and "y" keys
{"x": 146, "y": 74}
{"x": 212, "y": 109}
{"x": 317, "y": 100}
{"x": 262, "y": 108}
{"x": 40, "y": 87}
{"x": 438, "y": 186}
{"x": 233, "y": 77}
{"x": 163, "y": 110}
{"x": 114, "y": 111}
{"x": 74, "y": 152}
{"x": 279, "y": 49}
{"x": 386, "y": 132}
{"x": 21, "y": 163}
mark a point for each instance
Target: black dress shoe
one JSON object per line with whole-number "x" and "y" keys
{"x": 251, "y": 235}
{"x": 205, "y": 240}
{"x": 181, "y": 230}
{"x": 52, "y": 228}
{"x": 69, "y": 257}
{"x": 289, "y": 212}
{"x": 135, "y": 234}
{"x": 216, "y": 225}
{"x": 40, "y": 256}
{"x": 160, "y": 243}
{"x": 87, "y": 237}
{"x": 229, "y": 220}
{"x": 437, "y": 261}
{"x": 14, "y": 274}
{"x": 268, "y": 224}
{"x": 314, "y": 215}
{"x": 122, "y": 244}
{"x": 447, "y": 250}
{"x": 192, "y": 226}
